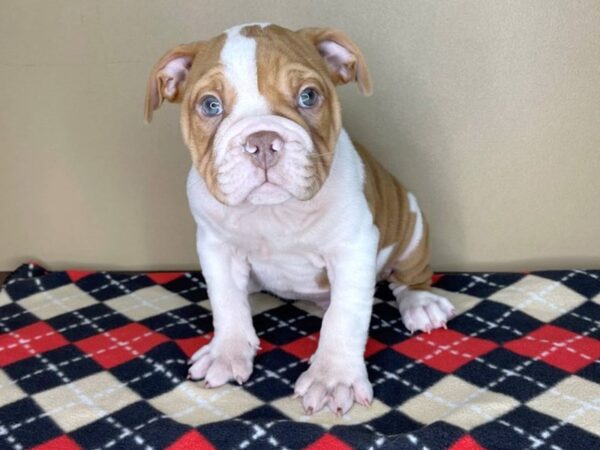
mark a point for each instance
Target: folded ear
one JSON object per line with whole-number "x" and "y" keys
{"x": 168, "y": 76}
{"x": 344, "y": 59}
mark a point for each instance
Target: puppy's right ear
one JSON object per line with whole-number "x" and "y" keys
{"x": 168, "y": 76}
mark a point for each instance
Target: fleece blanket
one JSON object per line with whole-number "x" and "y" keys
{"x": 98, "y": 361}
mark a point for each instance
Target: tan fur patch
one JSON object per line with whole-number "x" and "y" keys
{"x": 322, "y": 280}
{"x": 389, "y": 205}
{"x": 287, "y": 63}
{"x": 206, "y": 77}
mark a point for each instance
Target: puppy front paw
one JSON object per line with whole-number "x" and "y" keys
{"x": 335, "y": 384}
{"x": 424, "y": 310}
{"x": 222, "y": 360}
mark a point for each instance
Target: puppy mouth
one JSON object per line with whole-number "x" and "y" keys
{"x": 268, "y": 193}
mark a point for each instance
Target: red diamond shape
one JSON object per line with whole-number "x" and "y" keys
{"x": 120, "y": 345}
{"x": 264, "y": 347}
{"x": 328, "y": 442}
{"x": 76, "y": 275}
{"x": 466, "y": 443}
{"x": 373, "y": 346}
{"x": 192, "y": 440}
{"x": 192, "y": 345}
{"x": 304, "y": 347}
{"x": 29, "y": 341}
{"x": 444, "y": 350}
{"x": 163, "y": 277}
{"x": 59, "y": 443}
{"x": 436, "y": 277}
{"x": 558, "y": 347}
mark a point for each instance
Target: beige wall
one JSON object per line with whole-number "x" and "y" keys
{"x": 488, "y": 110}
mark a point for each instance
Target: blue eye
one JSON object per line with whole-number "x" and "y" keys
{"x": 308, "y": 98}
{"x": 211, "y": 106}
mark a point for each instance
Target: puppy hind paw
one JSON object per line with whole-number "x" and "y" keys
{"x": 424, "y": 310}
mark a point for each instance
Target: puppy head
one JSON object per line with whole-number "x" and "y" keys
{"x": 259, "y": 111}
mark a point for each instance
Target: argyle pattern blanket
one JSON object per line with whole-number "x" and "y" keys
{"x": 99, "y": 360}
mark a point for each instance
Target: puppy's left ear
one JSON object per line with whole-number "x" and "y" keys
{"x": 344, "y": 59}
{"x": 168, "y": 76}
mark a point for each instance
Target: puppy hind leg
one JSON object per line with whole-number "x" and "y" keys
{"x": 410, "y": 281}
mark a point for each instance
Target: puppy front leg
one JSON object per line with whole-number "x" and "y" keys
{"x": 337, "y": 376}
{"x": 231, "y": 352}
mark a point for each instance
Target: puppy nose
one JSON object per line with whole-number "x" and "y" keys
{"x": 264, "y": 146}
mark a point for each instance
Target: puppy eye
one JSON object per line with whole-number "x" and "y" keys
{"x": 308, "y": 98}
{"x": 211, "y": 106}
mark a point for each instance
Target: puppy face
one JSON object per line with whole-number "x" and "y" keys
{"x": 259, "y": 111}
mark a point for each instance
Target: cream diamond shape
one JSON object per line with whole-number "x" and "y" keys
{"x": 292, "y": 407}
{"x": 462, "y": 302}
{"x": 147, "y": 302}
{"x": 261, "y": 302}
{"x": 457, "y": 402}
{"x": 4, "y": 298}
{"x": 311, "y": 308}
{"x": 57, "y": 301}
{"x": 574, "y": 400}
{"x": 539, "y": 297}
{"x": 86, "y": 400}
{"x": 193, "y": 405}
{"x": 9, "y": 390}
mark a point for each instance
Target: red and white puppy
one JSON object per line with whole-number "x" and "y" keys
{"x": 285, "y": 202}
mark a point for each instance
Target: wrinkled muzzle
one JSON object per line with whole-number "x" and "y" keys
{"x": 264, "y": 159}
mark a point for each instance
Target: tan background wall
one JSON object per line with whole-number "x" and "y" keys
{"x": 488, "y": 110}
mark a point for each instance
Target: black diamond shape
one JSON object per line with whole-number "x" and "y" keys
{"x": 161, "y": 370}
{"x": 190, "y": 286}
{"x": 26, "y": 271}
{"x": 182, "y": 323}
{"x": 394, "y": 422}
{"x": 146, "y": 424}
{"x": 13, "y": 317}
{"x": 281, "y": 363}
{"x": 498, "y": 433}
{"x": 581, "y": 320}
{"x": 494, "y": 321}
{"x": 572, "y": 437}
{"x": 586, "y": 283}
{"x": 438, "y": 435}
{"x": 481, "y": 285}
{"x": 591, "y": 372}
{"x": 397, "y": 378}
{"x": 294, "y": 434}
{"x": 88, "y": 322}
{"x": 227, "y": 433}
{"x": 520, "y": 377}
{"x": 386, "y": 324}
{"x": 27, "y": 424}
{"x": 268, "y": 385}
{"x": 278, "y": 325}
{"x": 357, "y": 436}
{"x": 34, "y": 375}
{"x": 20, "y": 289}
{"x": 105, "y": 286}
{"x": 383, "y": 292}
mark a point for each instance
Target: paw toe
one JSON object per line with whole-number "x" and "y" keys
{"x": 425, "y": 311}
{"x": 340, "y": 401}
{"x": 315, "y": 398}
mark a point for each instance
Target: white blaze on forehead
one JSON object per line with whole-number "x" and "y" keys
{"x": 238, "y": 57}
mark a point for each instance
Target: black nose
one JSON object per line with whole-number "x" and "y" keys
{"x": 264, "y": 146}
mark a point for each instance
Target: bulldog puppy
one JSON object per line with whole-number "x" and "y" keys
{"x": 286, "y": 202}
